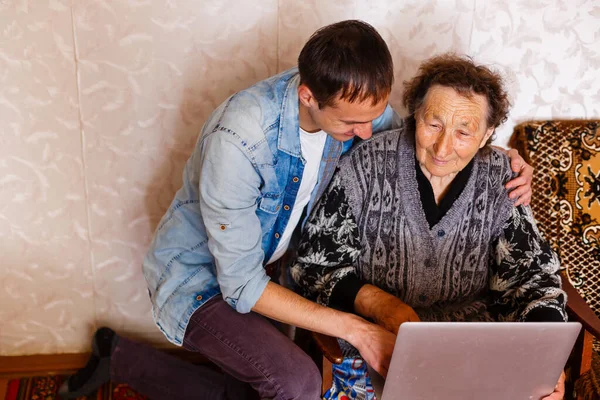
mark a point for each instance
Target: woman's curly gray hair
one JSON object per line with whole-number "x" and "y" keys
{"x": 464, "y": 76}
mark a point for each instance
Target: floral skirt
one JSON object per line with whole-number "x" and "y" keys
{"x": 351, "y": 381}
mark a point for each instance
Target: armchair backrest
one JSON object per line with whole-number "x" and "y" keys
{"x": 565, "y": 156}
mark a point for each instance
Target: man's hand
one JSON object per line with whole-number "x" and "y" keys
{"x": 521, "y": 185}
{"x": 374, "y": 343}
{"x": 386, "y": 310}
{"x": 559, "y": 390}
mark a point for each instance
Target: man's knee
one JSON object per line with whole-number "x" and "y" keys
{"x": 313, "y": 383}
{"x": 303, "y": 380}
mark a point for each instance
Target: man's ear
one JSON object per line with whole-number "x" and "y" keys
{"x": 489, "y": 132}
{"x": 306, "y": 97}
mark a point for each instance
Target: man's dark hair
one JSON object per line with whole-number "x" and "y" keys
{"x": 349, "y": 60}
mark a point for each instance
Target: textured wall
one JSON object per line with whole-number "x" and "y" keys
{"x": 101, "y": 102}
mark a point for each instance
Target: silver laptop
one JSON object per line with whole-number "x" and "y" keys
{"x": 476, "y": 360}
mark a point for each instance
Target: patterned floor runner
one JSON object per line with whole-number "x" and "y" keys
{"x": 45, "y": 388}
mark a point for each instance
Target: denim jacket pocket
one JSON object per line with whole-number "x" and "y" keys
{"x": 270, "y": 203}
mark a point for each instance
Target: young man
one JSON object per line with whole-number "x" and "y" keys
{"x": 263, "y": 159}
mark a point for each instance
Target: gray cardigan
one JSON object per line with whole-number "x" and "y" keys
{"x": 484, "y": 260}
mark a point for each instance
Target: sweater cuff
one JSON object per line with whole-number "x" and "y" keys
{"x": 344, "y": 293}
{"x": 544, "y": 314}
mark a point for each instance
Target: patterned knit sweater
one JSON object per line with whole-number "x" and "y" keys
{"x": 484, "y": 260}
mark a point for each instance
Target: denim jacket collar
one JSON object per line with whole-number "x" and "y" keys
{"x": 290, "y": 144}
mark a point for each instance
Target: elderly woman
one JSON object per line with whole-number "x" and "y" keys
{"x": 417, "y": 224}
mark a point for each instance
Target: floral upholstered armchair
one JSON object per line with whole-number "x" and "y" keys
{"x": 566, "y": 203}
{"x": 565, "y": 156}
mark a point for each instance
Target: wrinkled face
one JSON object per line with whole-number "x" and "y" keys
{"x": 342, "y": 121}
{"x": 451, "y": 128}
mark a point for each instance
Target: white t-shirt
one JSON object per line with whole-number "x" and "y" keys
{"x": 312, "y": 146}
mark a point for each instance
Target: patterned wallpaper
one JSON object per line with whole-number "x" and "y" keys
{"x": 101, "y": 103}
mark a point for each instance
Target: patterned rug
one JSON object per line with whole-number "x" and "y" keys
{"x": 45, "y": 388}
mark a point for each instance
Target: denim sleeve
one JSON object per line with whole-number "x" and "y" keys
{"x": 229, "y": 189}
{"x": 388, "y": 120}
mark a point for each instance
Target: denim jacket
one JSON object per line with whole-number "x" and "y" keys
{"x": 239, "y": 186}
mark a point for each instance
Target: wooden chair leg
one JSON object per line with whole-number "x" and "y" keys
{"x": 583, "y": 360}
{"x": 587, "y": 353}
{"x": 327, "y": 375}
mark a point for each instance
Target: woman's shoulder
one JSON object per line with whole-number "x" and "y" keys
{"x": 496, "y": 164}
{"x": 388, "y": 140}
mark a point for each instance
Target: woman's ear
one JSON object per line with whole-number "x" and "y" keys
{"x": 488, "y": 133}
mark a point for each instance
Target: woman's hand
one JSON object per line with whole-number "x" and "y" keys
{"x": 393, "y": 312}
{"x": 559, "y": 390}
{"x": 386, "y": 310}
{"x": 521, "y": 185}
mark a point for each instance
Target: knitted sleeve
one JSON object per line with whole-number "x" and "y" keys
{"x": 327, "y": 252}
{"x": 525, "y": 282}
